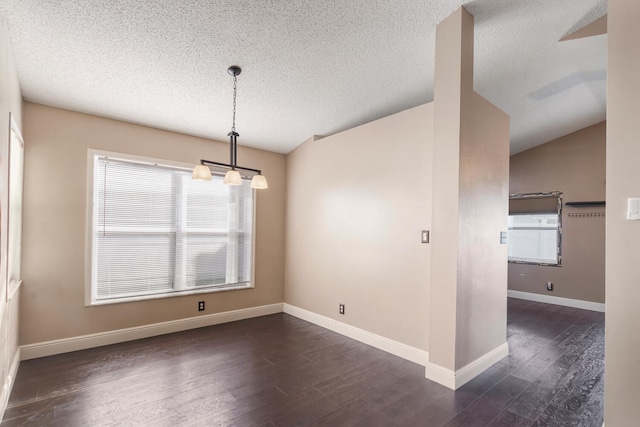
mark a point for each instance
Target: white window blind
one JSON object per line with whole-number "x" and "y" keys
{"x": 534, "y": 238}
{"x": 156, "y": 231}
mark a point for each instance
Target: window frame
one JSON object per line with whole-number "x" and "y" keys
{"x": 552, "y": 194}
{"x": 92, "y": 221}
{"x": 13, "y": 283}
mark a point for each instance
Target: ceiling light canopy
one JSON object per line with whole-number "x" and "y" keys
{"x": 232, "y": 177}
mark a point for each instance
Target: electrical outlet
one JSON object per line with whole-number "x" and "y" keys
{"x": 200, "y": 305}
{"x": 549, "y": 286}
{"x": 341, "y": 309}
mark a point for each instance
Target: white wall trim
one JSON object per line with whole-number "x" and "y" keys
{"x": 568, "y": 302}
{"x": 455, "y": 380}
{"x": 481, "y": 364}
{"x": 48, "y": 348}
{"x": 8, "y": 383}
{"x": 441, "y": 375}
{"x": 396, "y": 348}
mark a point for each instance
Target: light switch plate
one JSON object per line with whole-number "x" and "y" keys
{"x": 633, "y": 208}
{"x": 425, "y": 236}
{"x": 503, "y": 237}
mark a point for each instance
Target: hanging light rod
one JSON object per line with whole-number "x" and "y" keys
{"x": 232, "y": 177}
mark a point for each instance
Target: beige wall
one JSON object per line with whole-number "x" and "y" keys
{"x": 453, "y": 68}
{"x": 622, "y": 378}
{"x": 470, "y": 202}
{"x": 574, "y": 165}
{"x": 55, "y": 211}
{"x": 10, "y": 102}
{"x": 481, "y": 322}
{"x": 356, "y": 202}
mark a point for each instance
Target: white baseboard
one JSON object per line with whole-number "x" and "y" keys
{"x": 568, "y": 302}
{"x": 460, "y": 377}
{"x": 441, "y": 375}
{"x": 8, "y": 383}
{"x": 481, "y": 364}
{"x": 65, "y": 345}
{"x": 390, "y": 346}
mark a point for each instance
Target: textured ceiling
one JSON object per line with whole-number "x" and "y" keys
{"x": 309, "y": 67}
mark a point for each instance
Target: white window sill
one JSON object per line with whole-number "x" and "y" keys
{"x": 206, "y": 290}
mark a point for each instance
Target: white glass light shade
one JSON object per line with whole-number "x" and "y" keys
{"x": 201, "y": 172}
{"x": 233, "y": 177}
{"x": 259, "y": 182}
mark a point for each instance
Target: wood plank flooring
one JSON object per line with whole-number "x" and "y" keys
{"x": 281, "y": 371}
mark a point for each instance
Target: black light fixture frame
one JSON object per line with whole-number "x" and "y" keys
{"x": 234, "y": 71}
{"x": 209, "y": 162}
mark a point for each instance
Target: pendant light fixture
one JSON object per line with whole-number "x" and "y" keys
{"x": 232, "y": 177}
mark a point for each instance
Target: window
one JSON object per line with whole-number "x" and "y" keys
{"x": 535, "y": 228}
{"x": 16, "y": 168}
{"x": 156, "y": 232}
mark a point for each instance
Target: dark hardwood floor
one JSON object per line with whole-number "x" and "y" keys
{"x": 281, "y": 371}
